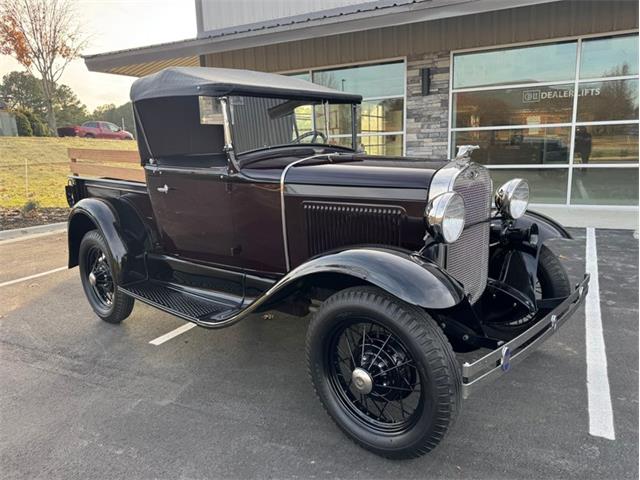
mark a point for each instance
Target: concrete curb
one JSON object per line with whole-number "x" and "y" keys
{"x": 29, "y": 232}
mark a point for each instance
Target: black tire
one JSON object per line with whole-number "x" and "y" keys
{"x": 413, "y": 337}
{"x": 107, "y": 301}
{"x": 89, "y": 135}
{"x": 553, "y": 282}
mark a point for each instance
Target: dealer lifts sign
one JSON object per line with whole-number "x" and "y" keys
{"x": 533, "y": 96}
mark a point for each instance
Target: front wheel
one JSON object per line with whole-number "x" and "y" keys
{"x": 98, "y": 280}
{"x": 384, "y": 372}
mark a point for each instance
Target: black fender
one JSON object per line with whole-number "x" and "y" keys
{"x": 401, "y": 273}
{"x": 95, "y": 213}
{"x": 514, "y": 263}
{"x": 547, "y": 227}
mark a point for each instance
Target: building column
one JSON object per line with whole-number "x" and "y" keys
{"x": 428, "y": 116}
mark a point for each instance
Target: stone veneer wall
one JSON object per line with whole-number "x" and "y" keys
{"x": 428, "y": 116}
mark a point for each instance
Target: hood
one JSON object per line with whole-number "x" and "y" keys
{"x": 367, "y": 171}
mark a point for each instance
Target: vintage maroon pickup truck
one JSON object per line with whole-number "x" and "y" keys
{"x": 249, "y": 207}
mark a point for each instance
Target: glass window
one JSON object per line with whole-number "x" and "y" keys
{"x": 302, "y": 76}
{"x": 383, "y": 80}
{"x": 210, "y": 111}
{"x": 608, "y": 100}
{"x": 381, "y": 144}
{"x": 605, "y": 186}
{"x": 513, "y": 106}
{"x": 609, "y": 57}
{"x": 606, "y": 144}
{"x": 339, "y": 119}
{"x": 511, "y": 123}
{"x": 261, "y": 122}
{"x": 539, "y": 63}
{"x": 304, "y": 118}
{"x": 547, "y": 185}
{"x": 390, "y": 145}
{"x": 531, "y": 146}
{"x": 382, "y": 115}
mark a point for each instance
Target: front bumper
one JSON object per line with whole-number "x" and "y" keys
{"x": 499, "y": 361}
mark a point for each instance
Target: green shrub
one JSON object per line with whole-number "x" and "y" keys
{"x": 22, "y": 122}
{"x": 38, "y": 126}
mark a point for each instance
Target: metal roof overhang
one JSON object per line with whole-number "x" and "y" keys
{"x": 385, "y": 13}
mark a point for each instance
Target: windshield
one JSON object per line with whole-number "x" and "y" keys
{"x": 260, "y": 123}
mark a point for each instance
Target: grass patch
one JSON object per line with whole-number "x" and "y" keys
{"x": 43, "y": 178}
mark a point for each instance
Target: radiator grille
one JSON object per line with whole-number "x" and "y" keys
{"x": 333, "y": 225}
{"x": 467, "y": 260}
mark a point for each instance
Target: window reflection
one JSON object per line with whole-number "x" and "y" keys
{"x": 381, "y": 144}
{"x": 608, "y": 57}
{"x": 382, "y": 115}
{"x": 532, "y": 146}
{"x": 383, "y": 80}
{"x": 606, "y": 144}
{"x": 547, "y": 185}
{"x": 513, "y": 106}
{"x": 538, "y": 63}
{"x": 339, "y": 118}
{"x": 608, "y": 100}
{"x": 374, "y": 144}
{"x": 605, "y": 186}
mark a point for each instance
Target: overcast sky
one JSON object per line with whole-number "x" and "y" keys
{"x": 116, "y": 25}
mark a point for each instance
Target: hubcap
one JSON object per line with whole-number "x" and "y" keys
{"x": 100, "y": 277}
{"x": 373, "y": 376}
{"x": 362, "y": 380}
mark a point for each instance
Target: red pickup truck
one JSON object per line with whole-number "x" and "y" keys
{"x": 95, "y": 130}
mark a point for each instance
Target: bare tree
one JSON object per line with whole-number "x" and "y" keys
{"x": 43, "y": 35}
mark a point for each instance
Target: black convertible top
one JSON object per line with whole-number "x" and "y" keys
{"x": 216, "y": 82}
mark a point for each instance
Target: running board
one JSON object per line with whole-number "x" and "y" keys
{"x": 204, "y": 310}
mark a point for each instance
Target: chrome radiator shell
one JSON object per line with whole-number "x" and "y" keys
{"x": 467, "y": 259}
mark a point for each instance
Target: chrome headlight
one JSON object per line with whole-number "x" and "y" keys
{"x": 512, "y": 198}
{"x": 445, "y": 217}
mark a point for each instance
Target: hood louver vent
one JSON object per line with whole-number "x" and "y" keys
{"x": 334, "y": 225}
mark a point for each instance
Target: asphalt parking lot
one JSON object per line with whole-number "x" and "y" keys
{"x": 84, "y": 399}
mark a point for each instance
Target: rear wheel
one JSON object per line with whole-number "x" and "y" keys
{"x": 98, "y": 280}
{"x": 384, "y": 372}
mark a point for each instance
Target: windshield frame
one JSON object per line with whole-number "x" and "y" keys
{"x": 231, "y": 129}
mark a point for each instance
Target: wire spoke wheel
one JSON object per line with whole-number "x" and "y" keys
{"x": 99, "y": 276}
{"x": 374, "y": 376}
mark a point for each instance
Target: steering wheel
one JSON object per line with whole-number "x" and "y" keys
{"x": 314, "y": 134}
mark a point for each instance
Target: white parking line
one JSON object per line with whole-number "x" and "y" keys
{"x": 24, "y": 279}
{"x": 173, "y": 333}
{"x": 600, "y": 409}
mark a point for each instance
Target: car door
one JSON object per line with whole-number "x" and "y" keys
{"x": 105, "y": 131}
{"x": 191, "y": 202}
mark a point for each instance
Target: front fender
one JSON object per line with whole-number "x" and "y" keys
{"x": 403, "y": 274}
{"x": 547, "y": 227}
{"x": 93, "y": 213}
{"x": 515, "y": 263}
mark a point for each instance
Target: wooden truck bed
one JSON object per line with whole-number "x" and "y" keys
{"x": 106, "y": 164}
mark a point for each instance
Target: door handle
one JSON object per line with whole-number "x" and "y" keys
{"x": 164, "y": 189}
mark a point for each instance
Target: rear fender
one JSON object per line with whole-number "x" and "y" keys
{"x": 94, "y": 213}
{"x": 404, "y": 275}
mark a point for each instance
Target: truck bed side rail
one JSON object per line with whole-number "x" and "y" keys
{"x": 112, "y": 164}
